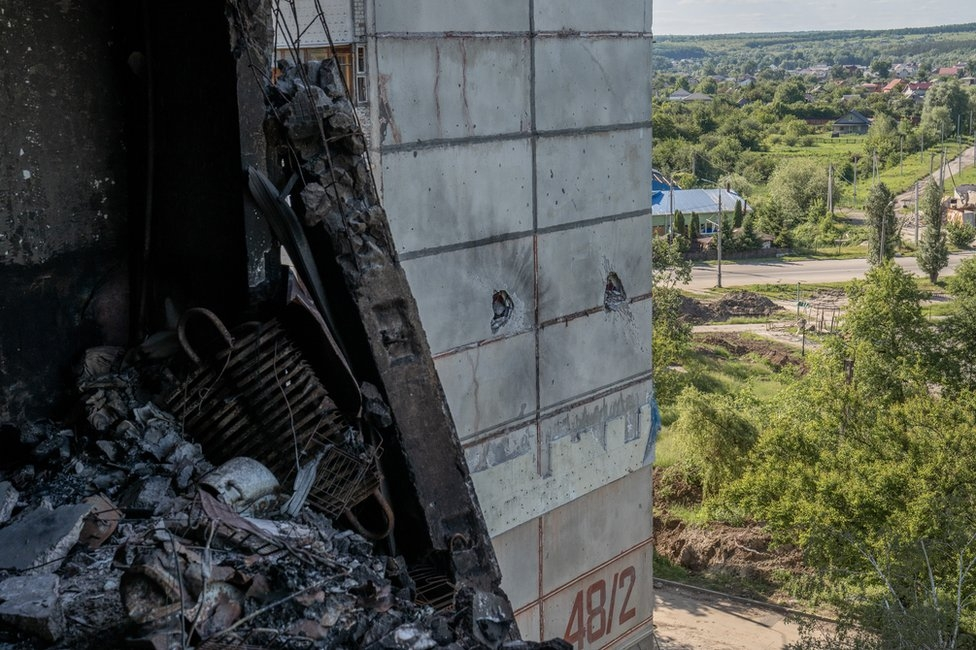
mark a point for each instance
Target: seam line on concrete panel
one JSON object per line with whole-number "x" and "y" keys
{"x": 509, "y": 236}
{"x": 583, "y": 576}
{"x": 507, "y": 427}
{"x": 568, "y": 318}
{"x": 421, "y": 145}
{"x": 595, "y": 221}
{"x": 537, "y": 422}
{"x": 633, "y": 631}
{"x": 461, "y": 246}
{"x": 569, "y": 404}
{"x": 542, "y": 465}
{"x": 474, "y": 345}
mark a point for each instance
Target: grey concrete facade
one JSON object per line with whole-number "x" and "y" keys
{"x": 512, "y": 144}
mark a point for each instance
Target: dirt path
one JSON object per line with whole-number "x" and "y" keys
{"x": 687, "y": 619}
{"x": 782, "y": 331}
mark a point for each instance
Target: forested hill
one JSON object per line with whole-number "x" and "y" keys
{"x": 927, "y": 45}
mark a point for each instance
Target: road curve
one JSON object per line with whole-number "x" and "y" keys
{"x": 705, "y": 276}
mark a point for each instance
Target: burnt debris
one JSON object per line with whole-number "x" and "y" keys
{"x": 285, "y": 475}
{"x": 142, "y": 542}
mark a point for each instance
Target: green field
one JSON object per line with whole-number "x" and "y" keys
{"x": 899, "y": 178}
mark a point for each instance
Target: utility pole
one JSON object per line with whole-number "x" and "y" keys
{"x": 942, "y": 164}
{"x": 855, "y": 181}
{"x": 720, "y": 221}
{"x": 959, "y": 140}
{"x": 874, "y": 166}
{"x": 671, "y": 215}
{"x": 881, "y": 244}
{"x": 901, "y": 145}
{"x": 830, "y": 188}
{"x": 916, "y": 215}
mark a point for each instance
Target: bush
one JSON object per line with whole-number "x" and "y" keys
{"x": 960, "y": 235}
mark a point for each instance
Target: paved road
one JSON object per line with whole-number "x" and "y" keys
{"x": 687, "y": 620}
{"x": 951, "y": 168}
{"x": 704, "y": 276}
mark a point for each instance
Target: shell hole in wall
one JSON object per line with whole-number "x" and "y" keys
{"x": 502, "y": 308}
{"x": 614, "y": 296}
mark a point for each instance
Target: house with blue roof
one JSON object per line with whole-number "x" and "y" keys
{"x": 703, "y": 202}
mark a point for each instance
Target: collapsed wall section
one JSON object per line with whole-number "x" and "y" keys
{"x": 513, "y": 149}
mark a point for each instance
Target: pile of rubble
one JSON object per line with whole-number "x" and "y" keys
{"x": 730, "y": 305}
{"x": 116, "y": 530}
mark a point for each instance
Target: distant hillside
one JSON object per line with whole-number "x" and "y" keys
{"x": 930, "y": 46}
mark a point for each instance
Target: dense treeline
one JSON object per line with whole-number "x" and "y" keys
{"x": 865, "y": 463}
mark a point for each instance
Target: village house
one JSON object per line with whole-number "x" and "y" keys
{"x": 961, "y": 206}
{"x": 854, "y": 123}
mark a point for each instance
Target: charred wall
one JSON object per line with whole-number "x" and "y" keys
{"x": 62, "y": 194}
{"x": 120, "y": 182}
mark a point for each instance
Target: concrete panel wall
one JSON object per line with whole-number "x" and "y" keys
{"x": 454, "y": 88}
{"x": 578, "y": 86}
{"x": 524, "y": 473}
{"x": 621, "y": 591}
{"x": 574, "y": 264}
{"x": 490, "y": 386}
{"x": 427, "y": 16}
{"x": 592, "y": 548}
{"x": 518, "y": 556}
{"x": 573, "y": 536}
{"x": 465, "y": 293}
{"x": 448, "y": 195}
{"x": 515, "y": 155}
{"x": 593, "y": 353}
{"x": 608, "y": 15}
{"x": 591, "y": 175}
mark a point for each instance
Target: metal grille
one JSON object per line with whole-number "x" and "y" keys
{"x": 258, "y": 397}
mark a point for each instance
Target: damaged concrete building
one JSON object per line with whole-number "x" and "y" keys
{"x": 156, "y": 161}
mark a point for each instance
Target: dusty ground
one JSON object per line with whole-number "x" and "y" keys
{"x": 686, "y": 619}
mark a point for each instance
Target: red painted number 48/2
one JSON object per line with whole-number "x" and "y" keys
{"x": 595, "y": 608}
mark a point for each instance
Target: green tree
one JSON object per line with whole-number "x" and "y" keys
{"x": 679, "y": 226}
{"x": 694, "y": 229}
{"x": 748, "y": 239}
{"x": 883, "y": 234}
{"x": 951, "y": 96}
{"x": 789, "y": 92}
{"x": 737, "y": 214}
{"x": 671, "y": 335}
{"x": 886, "y": 332}
{"x": 728, "y": 238}
{"x": 881, "y": 67}
{"x": 794, "y": 187}
{"x": 882, "y": 139}
{"x": 960, "y": 235}
{"x": 956, "y": 354}
{"x": 714, "y": 434}
{"x": 933, "y": 251}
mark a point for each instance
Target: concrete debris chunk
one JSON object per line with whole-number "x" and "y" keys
{"x": 8, "y": 500}
{"x": 151, "y": 495}
{"x": 41, "y": 538}
{"x": 100, "y": 523}
{"x": 31, "y": 604}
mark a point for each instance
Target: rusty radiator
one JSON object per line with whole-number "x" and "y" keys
{"x": 258, "y": 397}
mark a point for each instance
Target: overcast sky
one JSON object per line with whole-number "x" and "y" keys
{"x": 731, "y": 16}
